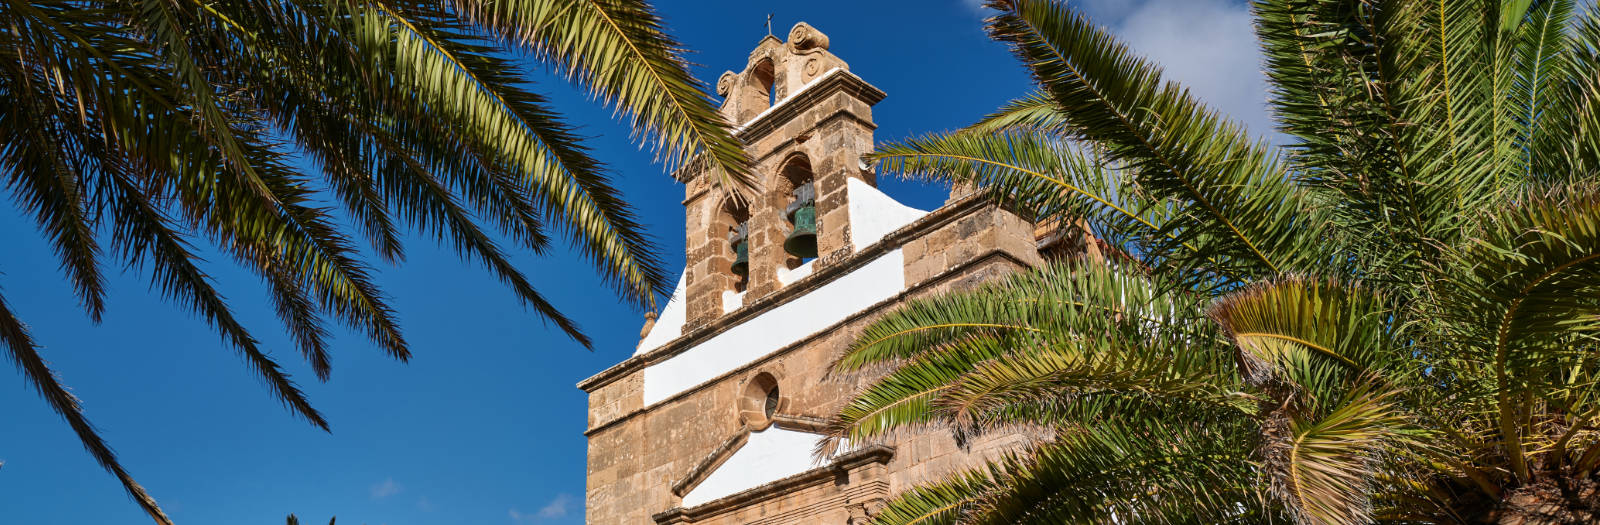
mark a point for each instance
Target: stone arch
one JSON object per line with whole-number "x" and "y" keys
{"x": 761, "y": 83}
{"x": 730, "y": 226}
{"x": 794, "y": 173}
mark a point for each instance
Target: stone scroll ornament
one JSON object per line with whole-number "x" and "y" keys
{"x": 805, "y": 40}
{"x": 725, "y": 83}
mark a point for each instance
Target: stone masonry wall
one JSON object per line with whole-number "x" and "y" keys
{"x": 635, "y": 454}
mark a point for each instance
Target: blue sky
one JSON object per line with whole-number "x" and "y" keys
{"x": 485, "y": 424}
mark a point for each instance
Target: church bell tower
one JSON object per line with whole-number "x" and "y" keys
{"x": 714, "y": 418}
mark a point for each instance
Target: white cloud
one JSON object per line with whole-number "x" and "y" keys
{"x": 424, "y": 504}
{"x": 385, "y": 489}
{"x": 556, "y": 508}
{"x": 1207, "y": 45}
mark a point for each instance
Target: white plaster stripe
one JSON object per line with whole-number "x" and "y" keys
{"x": 776, "y": 328}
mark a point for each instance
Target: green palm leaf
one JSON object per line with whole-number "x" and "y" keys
{"x": 1442, "y": 367}
{"x": 158, "y": 124}
{"x": 618, "y": 49}
{"x": 1178, "y": 149}
{"x": 24, "y": 354}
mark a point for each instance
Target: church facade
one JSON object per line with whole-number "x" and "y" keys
{"x": 715, "y": 417}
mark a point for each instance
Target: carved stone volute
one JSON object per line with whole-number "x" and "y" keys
{"x": 805, "y": 40}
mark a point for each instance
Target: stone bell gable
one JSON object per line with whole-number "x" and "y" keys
{"x": 807, "y": 121}
{"x": 714, "y": 418}
{"x": 775, "y": 70}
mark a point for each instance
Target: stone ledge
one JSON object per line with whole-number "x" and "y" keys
{"x": 841, "y": 81}
{"x": 780, "y": 147}
{"x": 835, "y": 81}
{"x": 713, "y": 460}
{"x": 880, "y": 454}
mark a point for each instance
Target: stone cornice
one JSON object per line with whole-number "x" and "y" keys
{"x": 781, "y": 147}
{"x": 928, "y": 223}
{"x": 844, "y": 463}
{"x": 837, "y": 81}
{"x": 840, "y": 81}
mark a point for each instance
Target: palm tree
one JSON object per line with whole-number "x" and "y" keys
{"x": 1390, "y": 319}
{"x": 292, "y": 520}
{"x": 133, "y": 130}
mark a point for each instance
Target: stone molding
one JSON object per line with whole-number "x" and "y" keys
{"x": 716, "y": 458}
{"x": 710, "y": 463}
{"x": 836, "y": 81}
{"x": 839, "y": 81}
{"x": 875, "y": 454}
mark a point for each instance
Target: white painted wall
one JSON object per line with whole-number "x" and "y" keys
{"x": 874, "y": 214}
{"x": 786, "y": 276}
{"x": 731, "y": 300}
{"x": 669, "y": 325}
{"x": 804, "y": 315}
{"x": 768, "y": 456}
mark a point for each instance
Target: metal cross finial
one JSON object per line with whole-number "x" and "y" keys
{"x": 769, "y": 24}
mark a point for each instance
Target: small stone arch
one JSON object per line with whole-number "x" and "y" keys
{"x": 794, "y": 173}
{"x": 761, "y": 82}
{"x": 730, "y": 226}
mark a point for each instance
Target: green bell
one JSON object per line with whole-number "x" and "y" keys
{"x": 740, "y": 237}
{"x": 802, "y": 241}
{"x": 741, "y": 258}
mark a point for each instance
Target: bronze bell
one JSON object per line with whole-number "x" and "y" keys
{"x": 741, "y": 251}
{"x": 802, "y": 241}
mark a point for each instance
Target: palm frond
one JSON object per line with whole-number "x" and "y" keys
{"x": 620, "y": 51}
{"x": 1519, "y": 295}
{"x": 1041, "y": 175}
{"x": 1113, "y": 473}
{"x": 1540, "y": 63}
{"x": 526, "y": 151}
{"x": 1324, "y": 472}
{"x": 19, "y": 345}
{"x": 1036, "y": 111}
{"x": 1284, "y": 324}
{"x": 1235, "y": 188}
{"x": 945, "y": 502}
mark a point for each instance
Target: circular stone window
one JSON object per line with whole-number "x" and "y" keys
{"x": 760, "y": 401}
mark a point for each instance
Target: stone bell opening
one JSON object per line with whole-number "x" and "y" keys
{"x": 733, "y": 223}
{"x": 797, "y": 194}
